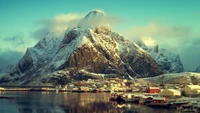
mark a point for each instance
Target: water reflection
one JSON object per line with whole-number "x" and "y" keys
{"x": 50, "y": 102}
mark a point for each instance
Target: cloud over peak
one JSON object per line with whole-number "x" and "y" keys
{"x": 182, "y": 40}
{"x": 61, "y": 22}
{"x": 160, "y": 30}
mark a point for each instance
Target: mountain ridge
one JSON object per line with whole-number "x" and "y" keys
{"x": 167, "y": 61}
{"x": 84, "y": 52}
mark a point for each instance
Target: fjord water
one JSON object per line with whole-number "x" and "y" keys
{"x": 66, "y": 102}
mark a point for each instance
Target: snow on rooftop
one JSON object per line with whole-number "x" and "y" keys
{"x": 194, "y": 86}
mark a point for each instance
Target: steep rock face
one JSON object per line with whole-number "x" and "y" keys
{"x": 166, "y": 60}
{"x": 84, "y": 52}
{"x": 96, "y": 51}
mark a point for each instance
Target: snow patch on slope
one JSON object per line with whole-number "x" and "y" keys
{"x": 66, "y": 50}
{"x": 167, "y": 61}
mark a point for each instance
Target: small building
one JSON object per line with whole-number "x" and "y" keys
{"x": 191, "y": 90}
{"x": 170, "y": 93}
{"x": 84, "y": 88}
{"x": 153, "y": 90}
{"x": 1, "y": 88}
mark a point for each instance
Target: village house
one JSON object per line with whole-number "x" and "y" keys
{"x": 191, "y": 90}
{"x": 84, "y": 88}
{"x": 170, "y": 93}
{"x": 153, "y": 90}
{"x": 1, "y": 88}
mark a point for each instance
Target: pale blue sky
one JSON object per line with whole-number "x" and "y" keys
{"x": 22, "y": 13}
{"x": 174, "y": 20}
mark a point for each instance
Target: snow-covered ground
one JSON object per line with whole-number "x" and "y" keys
{"x": 184, "y": 77}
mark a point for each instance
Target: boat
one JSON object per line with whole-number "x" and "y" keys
{"x": 99, "y": 90}
{"x": 178, "y": 104}
{"x": 118, "y": 105}
{"x": 121, "y": 106}
{"x": 159, "y": 102}
{"x": 114, "y": 95}
{"x": 145, "y": 100}
{"x": 132, "y": 98}
{"x": 188, "y": 108}
{"x": 120, "y": 100}
{"x": 78, "y": 90}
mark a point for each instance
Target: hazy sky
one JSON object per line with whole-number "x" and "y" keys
{"x": 174, "y": 24}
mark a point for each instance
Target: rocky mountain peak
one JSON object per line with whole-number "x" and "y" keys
{"x": 167, "y": 61}
{"x": 95, "y": 14}
{"x": 92, "y": 19}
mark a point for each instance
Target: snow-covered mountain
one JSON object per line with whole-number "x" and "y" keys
{"x": 86, "y": 51}
{"x": 198, "y": 69}
{"x": 167, "y": 61}
{"x": 5, "y": 69}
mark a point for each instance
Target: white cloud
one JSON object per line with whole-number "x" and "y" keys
{"x": 148, "y": 41}
{"x": 180, "y": 40}
{"x": 99, "y": 18}
{"x": 15, "y": 42}
{"x": 59, "y": 24}
{"x": 159, "y": 31}
{"x": 9, "y": 57}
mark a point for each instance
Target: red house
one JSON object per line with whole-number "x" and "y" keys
{"x": 153, "y": 90}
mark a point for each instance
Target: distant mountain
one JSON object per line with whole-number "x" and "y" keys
{"x": 167, "y": 61}
{"x": 6, "y": 68}
{"x": 89, "y": 50}
{"x": 198, "y": 69}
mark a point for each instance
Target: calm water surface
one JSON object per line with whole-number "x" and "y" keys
{"x": 52, "y": 102}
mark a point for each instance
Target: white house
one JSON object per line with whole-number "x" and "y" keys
{"x": 170, "y": 93}
{"x": 1, "y": 88}
{"x": 191, "y": 90}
